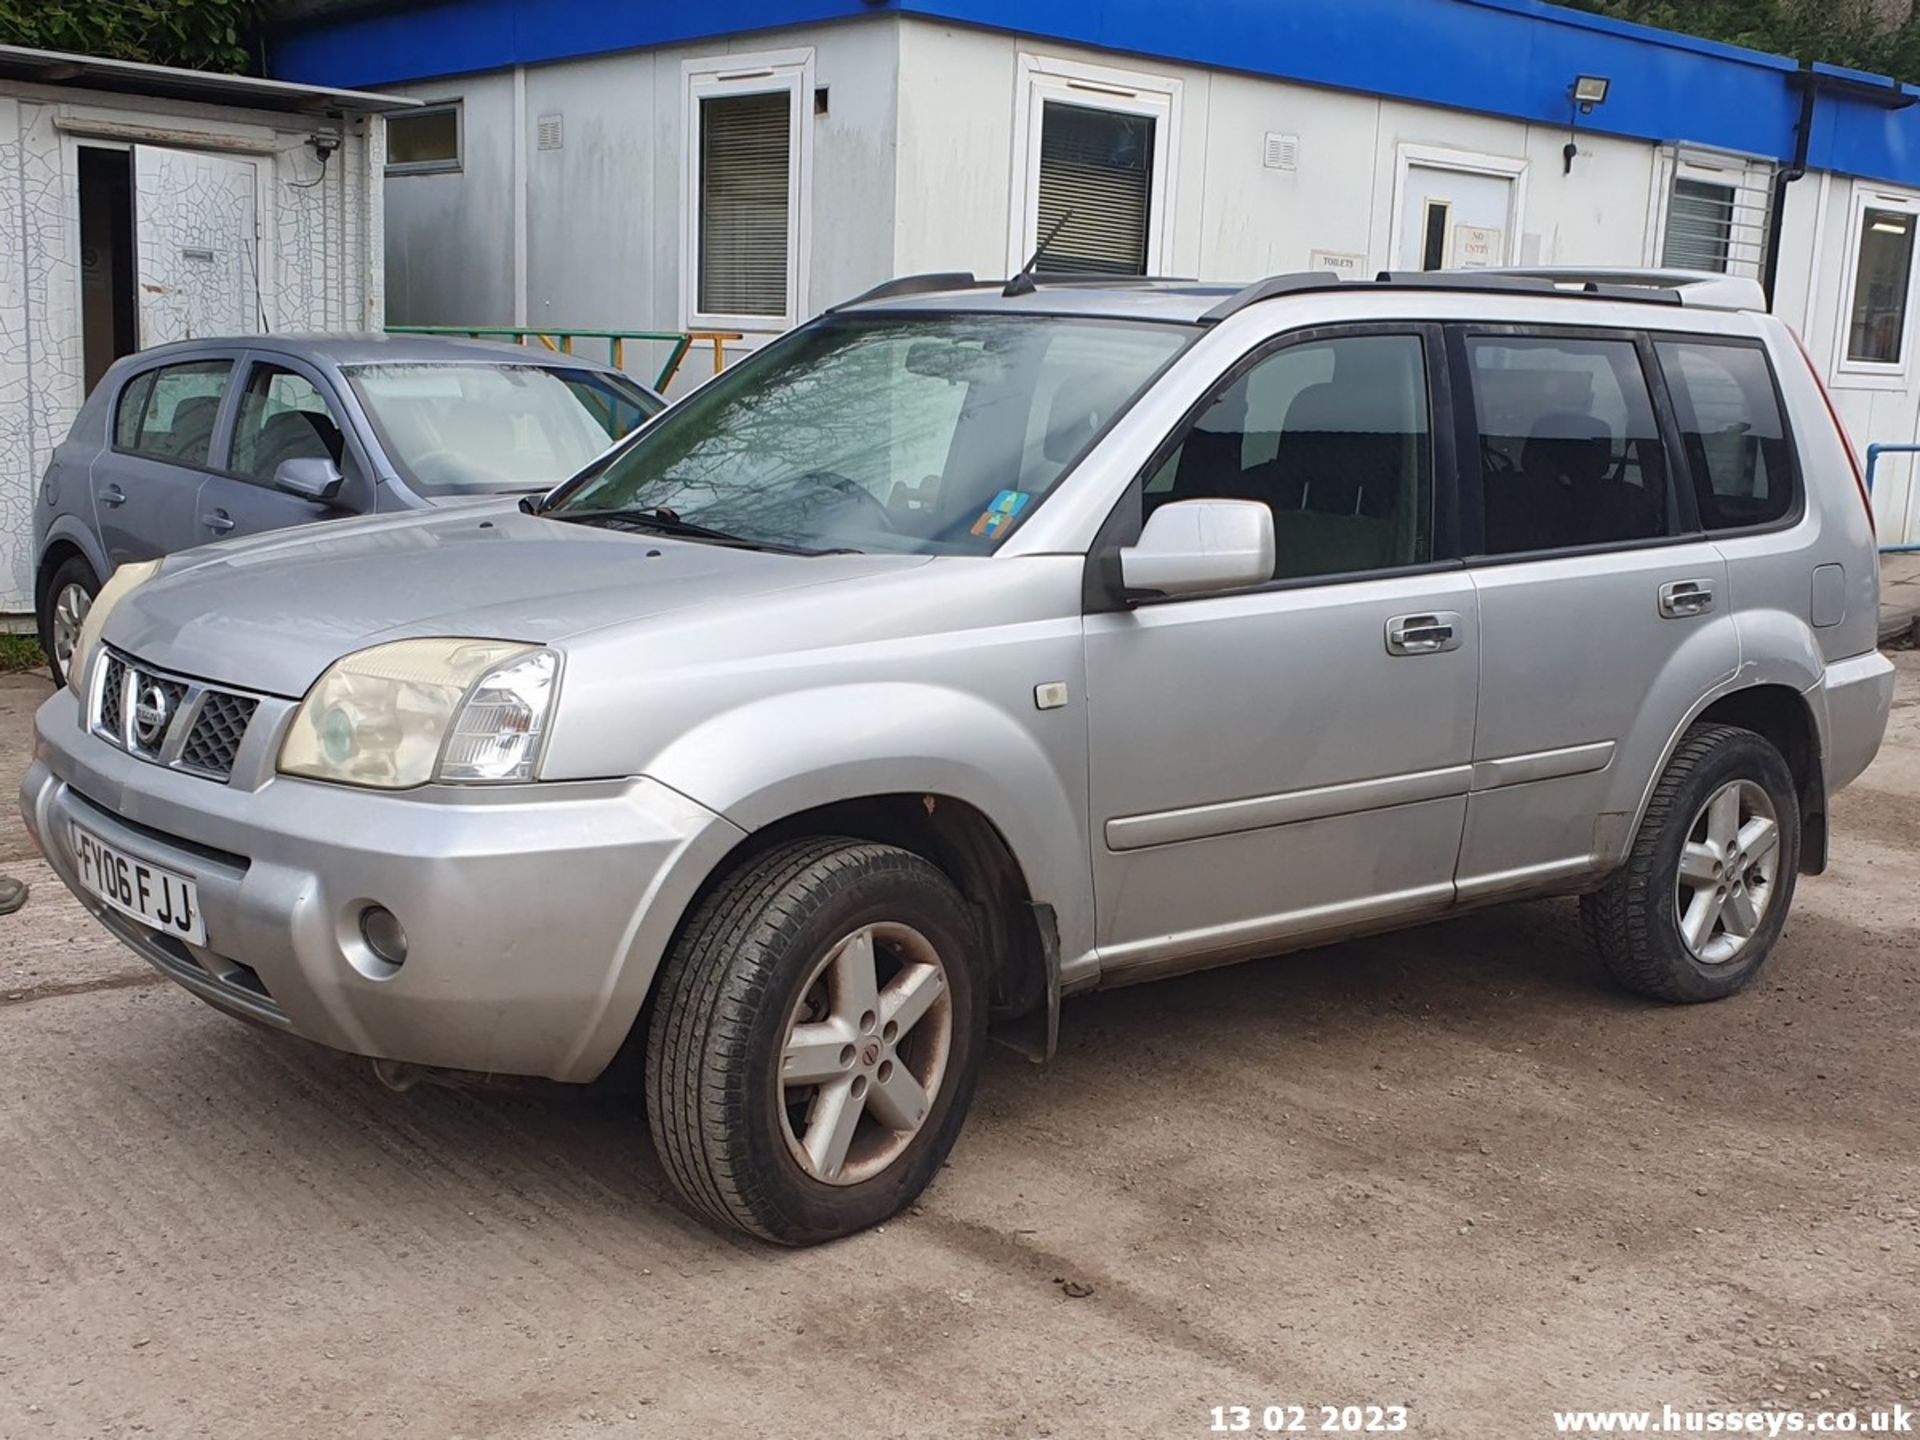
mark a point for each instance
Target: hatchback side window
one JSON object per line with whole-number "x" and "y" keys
{"x": 1734, "y": 434}
{"x": 283, "y": 416}
{"x": 1334, "y": 436}
{"x": 1570, "y": 450}
{"x": 168, "y": 414}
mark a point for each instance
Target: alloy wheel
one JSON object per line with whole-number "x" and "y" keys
{"x": 866, "y": 1052}
{"x": 70, "y": 609}
{"x": 1727, "y": 869}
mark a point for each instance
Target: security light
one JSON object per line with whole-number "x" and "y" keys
{"x": 1588, "y": 91}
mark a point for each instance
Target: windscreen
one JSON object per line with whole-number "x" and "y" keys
{"x": 464, "y": 429}
{"x": 928, "y": 434}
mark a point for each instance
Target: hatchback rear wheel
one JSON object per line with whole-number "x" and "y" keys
{"x": 815, "y": 1038}
{"x": 1697, "y": 908}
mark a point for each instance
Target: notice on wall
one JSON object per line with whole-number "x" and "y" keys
{"x": 1346, "y": 266}
{"x": 1475, "y": 247}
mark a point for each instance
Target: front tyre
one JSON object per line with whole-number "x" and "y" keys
{"x": 815, "y": 1039}
{"x": 1695, "y": 911}
{"x": 69, "y": 596}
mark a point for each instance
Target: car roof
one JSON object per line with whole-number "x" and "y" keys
{"x": 374, "y": 347}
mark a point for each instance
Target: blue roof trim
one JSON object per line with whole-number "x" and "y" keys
{"x": 1512, "y": 58}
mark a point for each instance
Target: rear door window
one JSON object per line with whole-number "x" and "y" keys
{"x": 169, "y": 414}
{"x": 1730, "y": 422}
{"x": 1570, "y": 449}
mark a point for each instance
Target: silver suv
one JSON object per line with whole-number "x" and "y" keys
{"x": 970, "y": 648}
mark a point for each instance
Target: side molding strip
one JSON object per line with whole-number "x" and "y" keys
{"x": 1232, "y": 817}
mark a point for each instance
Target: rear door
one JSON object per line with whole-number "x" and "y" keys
{"x": 1604, "y": 610}
{"x": 163, "y": 441}
{"x": 285, "y": 410}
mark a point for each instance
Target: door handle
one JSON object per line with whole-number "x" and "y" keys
{"x": 1423, "y": 634}
{"x": 219, "y": 522}
{"x": 1681, "y": 598}
{"x": 112, "y": 496}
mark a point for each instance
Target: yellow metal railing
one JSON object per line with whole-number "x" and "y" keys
{"x": 561, "y": 342}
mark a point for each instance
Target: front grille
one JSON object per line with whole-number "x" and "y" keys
{"x": 112, "y": 691}
{"x": 217, "y": 732}
{"x": 170, "y": 720}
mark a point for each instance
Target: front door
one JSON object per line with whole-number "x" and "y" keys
{"x": 284, "y": 413}
{"x": 1604, "y": 614}
{"x": 197, "y": 245}
{"x": 1286, "y": 764}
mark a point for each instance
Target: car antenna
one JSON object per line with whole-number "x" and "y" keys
{"x": 1023, "y": 284}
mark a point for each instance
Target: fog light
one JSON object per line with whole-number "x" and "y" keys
{"x": 381, "y": 929}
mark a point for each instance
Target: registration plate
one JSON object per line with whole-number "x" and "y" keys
{"x": 152, "y": 895}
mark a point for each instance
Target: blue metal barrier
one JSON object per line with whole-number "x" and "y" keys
{"x": 1874, "y": 452}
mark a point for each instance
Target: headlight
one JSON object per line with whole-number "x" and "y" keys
{"x": 121, "y": 584}
{"x": 412, "y": 711}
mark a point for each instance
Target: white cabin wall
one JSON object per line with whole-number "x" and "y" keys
{"x": 605, "y": 212}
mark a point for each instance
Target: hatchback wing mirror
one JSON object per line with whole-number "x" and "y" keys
{"x": 1200, "y": 547}
{"x": 311, "y": 477}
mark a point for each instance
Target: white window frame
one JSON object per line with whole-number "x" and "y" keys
{"x": 1467, "y": 162}
{"x": 761, "y": 73}
{"x": 1865, "y": 374}
{"x": 434, "y": 167}
{"x": 1093, "y": 87}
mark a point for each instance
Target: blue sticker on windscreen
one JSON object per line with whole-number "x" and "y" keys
{"x": 1005, "y": 508}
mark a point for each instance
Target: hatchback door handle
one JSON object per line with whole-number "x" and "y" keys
{"x": 219, "y": 522}
{"x": 1681, "y": 598}
{"x": 112, "y": 496}
{"x": 1423, "y": 634}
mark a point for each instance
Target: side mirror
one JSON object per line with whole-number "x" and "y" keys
{"x": 311, "y": 477}
{"x": 1201, "y": 547}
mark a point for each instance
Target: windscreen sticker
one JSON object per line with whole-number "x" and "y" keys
{"x": 1004, "y": 510}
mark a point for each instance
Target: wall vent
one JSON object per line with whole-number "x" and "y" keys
{"x": 1283, "y": 152}
{"x": 552, "y": 136}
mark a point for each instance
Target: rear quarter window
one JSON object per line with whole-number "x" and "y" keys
{"x": 1728, "y": 411}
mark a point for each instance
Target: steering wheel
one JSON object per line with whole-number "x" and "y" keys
{"x": 851, "y": 489}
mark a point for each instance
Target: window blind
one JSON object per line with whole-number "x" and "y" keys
{"x": 745, "y": 158}
{"x": 1700, "y": 225}
{"x": 1098, "y": 165}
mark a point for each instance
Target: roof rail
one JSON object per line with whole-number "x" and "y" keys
{"x": 912, "y": 285}
{"x": 1268, "y": 289}
{"x": 1698, "y": 289}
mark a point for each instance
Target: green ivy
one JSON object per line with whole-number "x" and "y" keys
{"x": 1853, "y": 33}
{"x": 196, "y": 34}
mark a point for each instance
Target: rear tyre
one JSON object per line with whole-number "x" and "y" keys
{"x": 1695, "y": 911}
{"x": 70, "y": 594}
{"x": 816, "y": 1034}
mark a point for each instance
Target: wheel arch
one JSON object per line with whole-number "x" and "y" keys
{"x": 1779, "y": 713}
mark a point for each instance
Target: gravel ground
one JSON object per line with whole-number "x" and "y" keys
{"x": 1449, "y": 1168}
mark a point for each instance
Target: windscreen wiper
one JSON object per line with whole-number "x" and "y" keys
{"x": 659, "y": 520}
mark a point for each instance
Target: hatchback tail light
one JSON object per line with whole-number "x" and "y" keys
{"x": 1840, "y": 428}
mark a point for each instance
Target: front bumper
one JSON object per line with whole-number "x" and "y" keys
{"x": 536, "y": 915}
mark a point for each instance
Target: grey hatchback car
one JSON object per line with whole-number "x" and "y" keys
{"x": 970, "y": 648}
{"x": 197, "y": 441}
